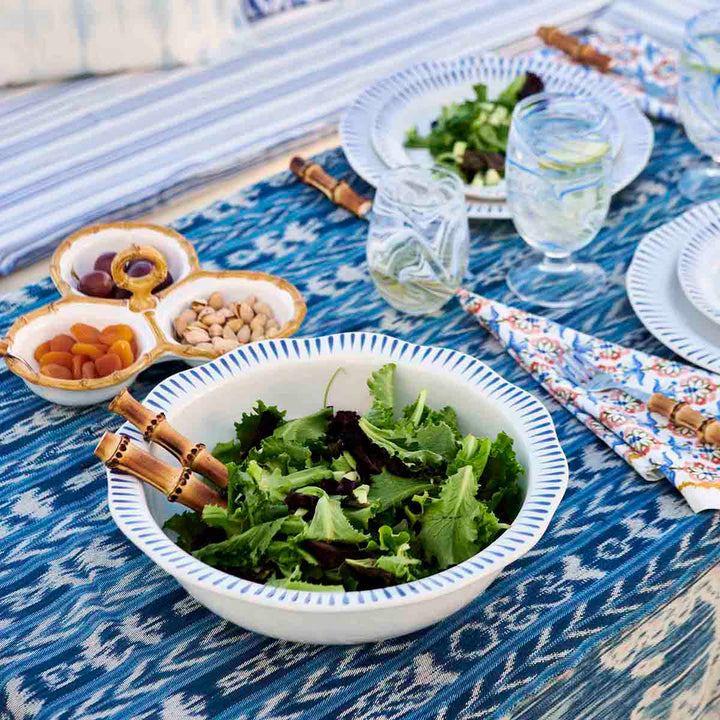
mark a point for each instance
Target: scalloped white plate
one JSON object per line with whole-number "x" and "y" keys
{"x": 453, "y": 79}
{"x": 699, "y": 270}
{"x": 417, "y": 101}
{"x": 657, "y": 298}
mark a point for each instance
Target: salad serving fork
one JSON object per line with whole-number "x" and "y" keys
{"x": 579, "y": 371}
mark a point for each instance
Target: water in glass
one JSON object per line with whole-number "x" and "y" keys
{"x": 418, "y": 242}
{"x": 699, "y": 101}
{"x": 558, "y": 171}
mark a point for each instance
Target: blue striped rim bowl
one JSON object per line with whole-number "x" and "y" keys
{"x": 203, "y": 403}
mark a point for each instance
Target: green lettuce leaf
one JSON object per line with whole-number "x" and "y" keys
{"x": 248, "y": 497}
{"x": 250, "y": 431}
{"x": 277, "y": 485}
{"x": 448, "y": 416}
{"x": 192, "y": 532}
{"x": 474, "y": 452}
{"x": 329, "y": 523}
{"x": 305, "y": 429}
{"x": 394, "y": 440}
{"x": 361, "y": 516}
{"x": 299, "y": 585}
{"x": 437, "y": 438}
{"x": 449, "y": 531}
{"x": 286, "y": 456}
{"x": 243, "y": 550}
{"x": 509, "y": 96}
{"x": 388, "y": 490}
{"x": 381, "y": 385}
{"x": 499, "y": 481}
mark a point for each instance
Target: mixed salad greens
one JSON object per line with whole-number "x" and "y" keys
{"x": 336, "y": 501}
{"x": 470, "y": 138}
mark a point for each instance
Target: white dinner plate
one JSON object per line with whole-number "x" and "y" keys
{"x": 699, "y": 269}
{"x": 357, "y": 124}
{"x": 417, "y": 100}
{"x": 658, "y": 300}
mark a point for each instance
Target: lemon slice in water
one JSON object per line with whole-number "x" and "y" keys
{"x": 574, "y": 154}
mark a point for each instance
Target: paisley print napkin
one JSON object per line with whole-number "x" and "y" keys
{"x": 652, "y": 445}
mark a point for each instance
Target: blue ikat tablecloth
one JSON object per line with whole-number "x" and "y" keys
{"x": 614, "y": 614}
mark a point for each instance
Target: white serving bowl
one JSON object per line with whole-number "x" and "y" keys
{"x": 203, "y": 403}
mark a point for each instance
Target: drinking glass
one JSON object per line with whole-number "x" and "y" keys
{"x": 558, "y": 173}
{"x": 699, "y": 100}
{"x": 419, "y": 239}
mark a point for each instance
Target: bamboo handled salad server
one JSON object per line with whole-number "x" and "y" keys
{"x": 679, "y": 413}
{"x": 178, "y": 484}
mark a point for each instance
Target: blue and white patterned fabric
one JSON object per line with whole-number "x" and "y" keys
{"x": 614, "y": 614}
{"x": 104, "y": 148}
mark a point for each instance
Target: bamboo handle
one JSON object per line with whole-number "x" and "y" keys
{"x": 140, "y": 287}
{"x": 155, "y": 428}
{"x": 582, "y": 53}
{"x": 680, "y": 413}
{"x": 337, "y": 191}
{"x": 178, "y": 484}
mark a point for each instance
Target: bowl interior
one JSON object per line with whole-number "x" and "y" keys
{"x": 58, "y": 322}
{"x": 80, "y": 256}
{"x": 298, "y": 386}
{"x": 233, "y": 288}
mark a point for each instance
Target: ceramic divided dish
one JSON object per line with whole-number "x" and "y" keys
{"x": 150, "y": 316}
{"x": 203, "y": 404}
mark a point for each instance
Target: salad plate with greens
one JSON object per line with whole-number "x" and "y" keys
{"x": 437, "y": 105}
{"x": 336, "y": 501}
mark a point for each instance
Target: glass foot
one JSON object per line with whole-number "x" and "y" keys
{"x": 557, "y": 284}
{"x": 700, "y": 184}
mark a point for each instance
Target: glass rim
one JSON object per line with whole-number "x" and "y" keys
{"x": 601, "y": 110}
{"x": 690, "y": 35}
{"x": 384, "y": 184}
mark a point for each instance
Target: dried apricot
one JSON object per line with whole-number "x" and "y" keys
{"x": 54, "y": 370}
{"x": 123, "y": 350}
{"x": 85, "y": 333}
{"x": 93, "y": 351}
{"x": 111, "y": 333}
{"x": 62, "y": 343}
{"x": 41, "y": 350}
{"x": 134, "y": 348}
{"x": 77, "y": 362}
{"x": 88, "y": 369}
{"x": 107, "y": 364}
{"x": 57, "y": 358}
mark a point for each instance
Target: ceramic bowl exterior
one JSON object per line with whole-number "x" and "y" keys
{"x": 203, "y": 403}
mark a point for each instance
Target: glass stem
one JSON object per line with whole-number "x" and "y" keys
{"x": 557, "y": 263}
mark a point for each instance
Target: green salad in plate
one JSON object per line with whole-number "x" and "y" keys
{"x": 471, "y": 137}
{"x": 334, "y": 501}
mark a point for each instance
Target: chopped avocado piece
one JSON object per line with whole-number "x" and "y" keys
{"x": 498, "y": 116}
{"x": 458, "y": 151}
{"x": 492, "y": 177}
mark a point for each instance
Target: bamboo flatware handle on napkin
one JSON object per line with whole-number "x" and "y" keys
{"x": 337, "y": 191}
{"x": 680, "y": 413}
{"x": 581, "y": 53}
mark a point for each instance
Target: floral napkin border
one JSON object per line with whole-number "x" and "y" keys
{"x": 653, "y": 446}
